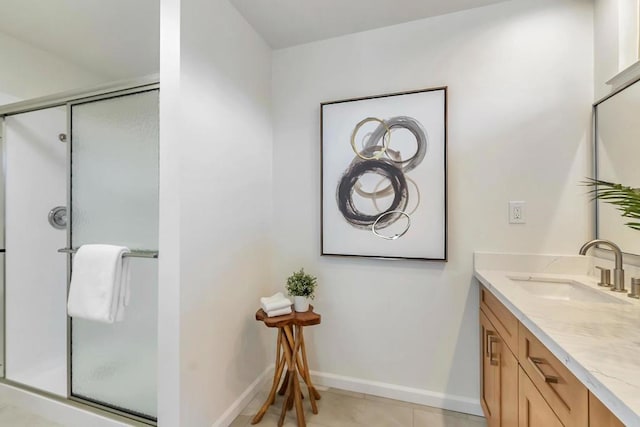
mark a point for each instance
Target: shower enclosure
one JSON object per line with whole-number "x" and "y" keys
{"x": 79, "y": 169}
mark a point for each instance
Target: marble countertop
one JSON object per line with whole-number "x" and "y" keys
{"x": 598, "y": 342}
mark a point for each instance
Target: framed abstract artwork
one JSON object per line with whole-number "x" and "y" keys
{"x": 384, "y": 176}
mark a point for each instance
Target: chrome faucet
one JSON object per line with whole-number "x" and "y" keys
{"x": 618, "y": 272}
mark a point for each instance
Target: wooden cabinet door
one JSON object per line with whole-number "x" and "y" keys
{"x": 509, "y": 369}
{"x": 489, "y": 373}
{"x": 534, "y": 410}
{"x": 499, "y": 378}
{"x": 600, "y": 416}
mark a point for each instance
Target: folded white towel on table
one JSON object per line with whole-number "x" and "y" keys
{"x": 274, "y": 302}
{"x": 280, "y": 312}
{"x": 99, "y": 287}
{"x": 275, "y": 297}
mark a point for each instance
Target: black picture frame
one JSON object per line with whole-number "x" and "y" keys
{"x": 436, "y": 132}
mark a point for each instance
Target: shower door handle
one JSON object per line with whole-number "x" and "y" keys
{"x": 58, "y": 217}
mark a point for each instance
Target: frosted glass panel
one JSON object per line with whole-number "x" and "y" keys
{"x": 117, "y": 364}
{"x": 115, "y": 171}
{"x": 36, "y": 274}
{"x": 114, "y": 192}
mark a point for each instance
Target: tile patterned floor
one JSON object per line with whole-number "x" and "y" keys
{"x": 17, "y": 417}
{"x": 339, "y": 408}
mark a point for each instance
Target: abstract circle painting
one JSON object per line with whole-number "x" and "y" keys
{"x": 384, "y": 176}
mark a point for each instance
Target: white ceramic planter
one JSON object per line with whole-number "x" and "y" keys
{"x": 301, "y": 304}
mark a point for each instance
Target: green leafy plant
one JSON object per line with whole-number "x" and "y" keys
{"x": 625, "y": 199}
{"x": 301, "y": 284}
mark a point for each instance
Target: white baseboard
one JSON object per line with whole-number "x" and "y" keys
{"x": 397, "y": 392}
{"x": 241, "y": 402}
{"x": 374, "y": 388}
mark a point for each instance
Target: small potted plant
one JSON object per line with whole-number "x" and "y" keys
{"x": 301, "y": 286}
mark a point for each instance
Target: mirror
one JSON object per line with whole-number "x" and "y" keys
{"x": 617, "y": 157}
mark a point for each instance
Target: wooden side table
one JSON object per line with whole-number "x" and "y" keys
{"x": 292, "y": 355}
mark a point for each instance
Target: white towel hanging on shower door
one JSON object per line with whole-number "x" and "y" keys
{"x": 99, "y": 287}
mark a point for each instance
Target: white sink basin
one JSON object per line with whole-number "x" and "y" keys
{"x": 564, "y": 290}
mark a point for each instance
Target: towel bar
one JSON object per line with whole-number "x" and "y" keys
{"x": 132, "y": 254}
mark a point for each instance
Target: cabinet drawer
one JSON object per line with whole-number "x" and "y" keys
{"x": 564, "y": 393}
{"x": 533, "y": 409}
{"x": 505, "y": 323}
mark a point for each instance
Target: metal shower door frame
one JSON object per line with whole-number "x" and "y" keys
{"x": 67, "y": 99}
{"x": 70, "y": 105}
{"x": 3, "y": 317}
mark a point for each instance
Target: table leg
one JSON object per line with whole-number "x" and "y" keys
{"x": 296, "y": 384}
{"x": 290, "y": 399}
{"x": 285, "y": 403}
{"x": 288, "y": 333}
{"x": 289, "y": 380}
{"x": 278, "y": 374}
{"x": 285, "y": 383}
{"x": 303, "y": 366}
{"x": 305, "y": 372}
{"x": 280, "y": 364}
{"x": 306, "y": 369}
{"x": 298, "y": 400}
{"x": 291, "y": 340}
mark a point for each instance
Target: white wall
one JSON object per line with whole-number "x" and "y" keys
{"x": 628, "y": 33}
{"x": 520, "y": 87}
{"x": 616, "y": 29}
{"x": 28, "y": 72}
{"x": 169, "y": 220}
{"x": 605, "y": 44}
{"x": 223, "y": 147}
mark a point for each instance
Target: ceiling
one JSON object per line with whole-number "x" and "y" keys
{"x": 120, "y": 39}
{"x": 284, "y": 23}
{"x": 117, "y": 39}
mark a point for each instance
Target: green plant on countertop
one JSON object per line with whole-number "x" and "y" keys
{"x": 625, "y": 199}
{"x": 301, "y": 284}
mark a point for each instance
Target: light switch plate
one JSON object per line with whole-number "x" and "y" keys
{"x": 517, "y": 212}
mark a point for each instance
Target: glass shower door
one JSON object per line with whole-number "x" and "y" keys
{"x": 114, "y": 200}
{"x": 36, "y": 285}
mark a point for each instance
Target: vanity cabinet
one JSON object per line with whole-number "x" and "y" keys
{"x": 523, "y": 384}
